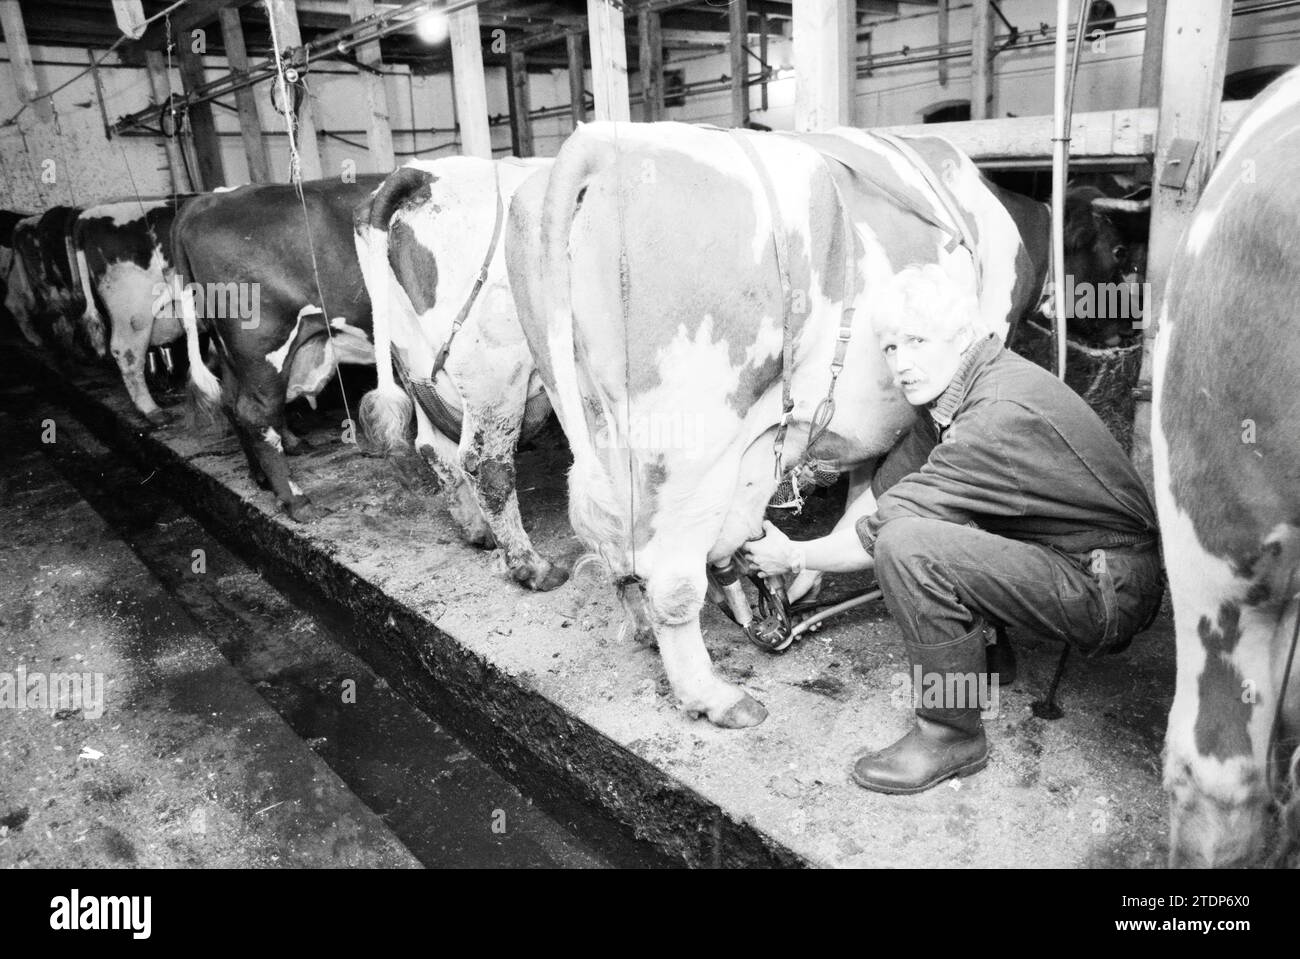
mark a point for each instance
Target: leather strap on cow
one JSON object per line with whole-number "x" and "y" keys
{"x": 825, "y": 411}
{"x": 441, "y": 359}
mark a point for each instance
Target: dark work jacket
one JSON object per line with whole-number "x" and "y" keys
{"x": 1011, "y": 449}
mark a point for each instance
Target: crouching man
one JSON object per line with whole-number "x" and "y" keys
{"x": 1009, "y": 503}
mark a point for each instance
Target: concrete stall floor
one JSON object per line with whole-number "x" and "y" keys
{"x": 231, "y": 727}
{"x": 543, "y": 684}
{"x": 166, "y": 757}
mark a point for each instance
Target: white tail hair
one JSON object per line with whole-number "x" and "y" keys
{"x": 91, "y": 320}
{"x": 204, "y": 388}
{"x": 385, "y": 411}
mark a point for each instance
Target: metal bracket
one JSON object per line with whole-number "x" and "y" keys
{"x": 1178, "y": 163}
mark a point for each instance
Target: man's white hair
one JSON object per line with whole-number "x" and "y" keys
{"x": 927, "y": 297}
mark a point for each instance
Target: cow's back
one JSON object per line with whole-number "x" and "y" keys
{"x": 137, "y": 232}
{"x": 261, "y": 235}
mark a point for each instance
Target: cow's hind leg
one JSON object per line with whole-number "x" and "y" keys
{"x": 129, "y": 345}
{"x": 443, "y": 457}
{"x": 259, "y": 419}
{"x": 675, "y": 595}
{"x": 489, "y": 436}
{"x": 255, "y": 471}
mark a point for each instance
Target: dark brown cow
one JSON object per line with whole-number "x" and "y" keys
{"x": 254, "y": 257}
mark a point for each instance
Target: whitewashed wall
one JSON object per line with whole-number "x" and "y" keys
{"x": 86, "y": 166}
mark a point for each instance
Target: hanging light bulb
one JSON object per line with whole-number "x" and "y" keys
{"x": 432, "y": 27}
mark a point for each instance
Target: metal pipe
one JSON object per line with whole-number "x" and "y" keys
{"x": 828, "y": 612}
{"x": 961, "y": 48}
{"x": 1060, "y": 150}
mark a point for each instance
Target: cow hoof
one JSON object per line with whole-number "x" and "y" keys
{"x": 543, "y": 577}
{"x": 298, "y": 447}
{"x": 481, "y": 536}
{"x": 741, "y": 715}
{"x": 158, "y": 418}
{"x": 644, "y": 637}
{"x": 305, "y": 511}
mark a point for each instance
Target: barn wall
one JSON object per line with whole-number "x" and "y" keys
{"x": 39, "y": 168}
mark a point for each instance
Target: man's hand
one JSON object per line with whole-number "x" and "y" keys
{"x": 774, "y": 554}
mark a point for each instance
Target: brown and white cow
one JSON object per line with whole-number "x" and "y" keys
{"x": 648, "y": 284}
{"x": 283, "y": 297}
{"x": 430, "y": 245}
{"x": 123, "y": 259}
{"x": 1226, "y": 447}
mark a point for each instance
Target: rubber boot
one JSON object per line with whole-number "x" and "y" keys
{"x": 946, "y": 740}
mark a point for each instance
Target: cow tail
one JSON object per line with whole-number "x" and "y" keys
{"x": 92, "y": 322}
{"x": 204, "y": 395}
{"x": 578, "y": 162}
{"x": 596, "y": 510}
{"x": 385, "y": 411}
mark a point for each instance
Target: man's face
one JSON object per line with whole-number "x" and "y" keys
{"x": 922, "y": 363}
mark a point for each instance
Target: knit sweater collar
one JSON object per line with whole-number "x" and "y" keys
{"x": 944, "y": 407}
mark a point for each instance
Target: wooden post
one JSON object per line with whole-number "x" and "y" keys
{"x": 608, "y": 60}
{"x": 739, "y": 22}
{"x": 379, "y": 132}
{"x": 161, "y": 86}
{"x": 577, "y": 87}
{"x": 284, "y": 15}
{"x": 471, "y": 88}
{"x": 1195, "y": 58}
{"x": 762, "y": 56}
{"x": 823, "y": 45}
{"x": 250, "y": 126}
{"x": 20, "y": 59}
{"x": 849, "y": 59}
{"x": 944, "y": 39}
{"x": 650, "y": 46}
{"x": 981, "y": 63}
{"x": 207, "y": 145}
{"x": 1153, "y": 46}
{"x": 521, "y": 124}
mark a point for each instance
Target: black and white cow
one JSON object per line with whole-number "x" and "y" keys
{"x": 431, "y": 246}
{"x": 263, "y": 270}
{"x": 1226, "y": 449}
{"x": 123, "y": 254}
{"x": 43, "y": 294}
{"x": 9, "y": 220}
